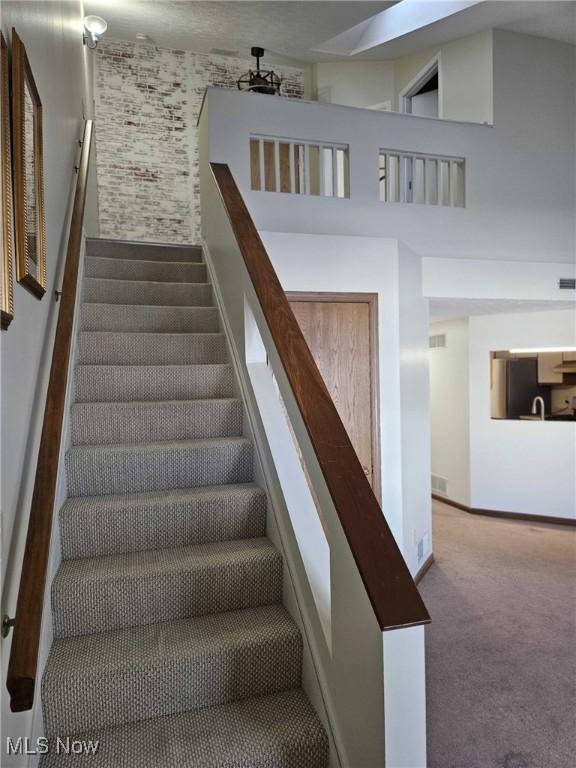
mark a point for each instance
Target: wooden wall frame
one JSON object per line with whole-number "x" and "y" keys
{"x": 22, "y": 78}
{"x": 372, "y": 300}
{"x": 7, "y": 233}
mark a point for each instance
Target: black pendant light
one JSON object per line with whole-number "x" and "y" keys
{"x": 260, "y": 81}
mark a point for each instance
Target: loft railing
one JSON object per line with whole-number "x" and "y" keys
{"x": 22, "y": 666}
{"x": 387, "y": 580}
{"x": 417, "y": 177}
{"x": 299, "y": 167}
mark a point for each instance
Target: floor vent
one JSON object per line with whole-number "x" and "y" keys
{"x": 439, "y": 485}
{"x": 567, "y": 283}
{"x": 438, "y": 341}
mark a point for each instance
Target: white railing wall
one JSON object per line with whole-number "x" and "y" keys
{"x": 512, "y": 208}
{"x": 298, "y": 167}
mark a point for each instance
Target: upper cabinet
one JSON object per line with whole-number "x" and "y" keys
{"x": 547, "y": 361}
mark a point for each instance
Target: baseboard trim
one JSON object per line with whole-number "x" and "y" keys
{"x": 424, "y": 568}
{"x": 450, "y": 502}
{"x": 506, "y": 515}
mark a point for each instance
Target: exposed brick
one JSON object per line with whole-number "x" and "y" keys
{"x": 147, "y": 105}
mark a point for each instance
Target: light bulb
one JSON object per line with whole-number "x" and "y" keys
{"x": 95, "y": 25}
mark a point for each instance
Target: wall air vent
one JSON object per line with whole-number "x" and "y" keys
{"x": 567, "y": 283}
{"x": 438, "y": 341}
{"x": 439, "y": 485}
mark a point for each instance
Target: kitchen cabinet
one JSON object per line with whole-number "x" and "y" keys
{"x": 498, "y": 389}
{"x": 546, "y": 364}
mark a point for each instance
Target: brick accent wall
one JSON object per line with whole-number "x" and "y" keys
{"x": 147, "y": 104}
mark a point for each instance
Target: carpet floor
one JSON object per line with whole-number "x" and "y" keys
{"x": 501, "y": 649}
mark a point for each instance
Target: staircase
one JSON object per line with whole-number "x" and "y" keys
{"x": 171, "y": 644}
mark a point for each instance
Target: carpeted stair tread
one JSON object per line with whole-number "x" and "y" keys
{"x": 126, "y": 675}
{"x": 105, "y": 593}
{"x": 144, "y": 318}
{"x": 121, "y": 249}
{"x": 276, "y": 731}
{"x": 109, "y": 291}
{"x": 93, "y": 526}
{"x": 129, "y": 348}
{"x": 92, "y": 470}
{"x": 171, "y": 645}
{"x": 145, "y": 269}
{"x": 136, "y": 422}
{"x": 107, "y": 383}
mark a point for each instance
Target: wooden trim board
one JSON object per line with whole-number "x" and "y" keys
{"x": 424, "y": 568}
{"x": 570, "y": 522}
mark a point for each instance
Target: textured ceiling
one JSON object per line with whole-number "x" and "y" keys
{"x": 287, "y": 30}
{"x": 290, "y": 31}
{"x": 450, "y": 309}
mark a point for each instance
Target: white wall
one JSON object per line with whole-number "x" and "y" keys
{"x": 491, "y": 279}
{"x": 355, "y": 83}
{"x": 414, "y": 409}
{"x": 466, "y": 77}
{"x": 519, "y": 466}
{"x": 520, "y": 195}
{"x": 450, "y": 409}
{"x": 465, "y": 72}
{"x": 52, "y": 34}
{"x": 373, "y": 265}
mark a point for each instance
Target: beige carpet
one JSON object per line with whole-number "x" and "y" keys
{"x": 501, "y": 649}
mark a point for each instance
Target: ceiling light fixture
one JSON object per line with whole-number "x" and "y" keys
{"x": 94, "y": 29}
{"x": 260, "y": 81}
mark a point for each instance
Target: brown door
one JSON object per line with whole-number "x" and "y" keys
{"x": 341, "y": 332}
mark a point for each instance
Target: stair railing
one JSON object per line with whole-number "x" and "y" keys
{"x": 22, "y": 666}
{"x": 372, "y": 590}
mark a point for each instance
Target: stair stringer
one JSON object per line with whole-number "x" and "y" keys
{"x": 297, "y": 594}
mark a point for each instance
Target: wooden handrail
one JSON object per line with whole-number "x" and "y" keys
{"x": 23, "y": 662}
{"x": 389, "y": 585}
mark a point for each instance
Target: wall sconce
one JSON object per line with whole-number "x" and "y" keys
{"x": 94, "y": 28}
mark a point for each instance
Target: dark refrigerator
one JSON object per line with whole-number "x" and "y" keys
{"x": 522, "y": 387}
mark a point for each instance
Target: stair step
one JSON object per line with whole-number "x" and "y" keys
{"x": 95, "y": 526}
{"x": 95, "y": 470}
{"x": 276, "y": 731}
{"x": 144, "y": 269}
{"x": 119, "y": 249}
{"x": 119, "y": 677}
{"x": 137, "y": 422}
{"x": 106, "y": 290}
{"x": 121, "y": 348}
{"x": 142, "y": 318}
{"x": 108, "y": 383}
{"x": 106, "y": 593}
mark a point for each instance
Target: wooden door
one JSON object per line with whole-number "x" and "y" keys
{"x": 341, "y": 332}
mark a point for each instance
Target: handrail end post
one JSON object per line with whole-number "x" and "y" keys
{"x": 21, "y": 690}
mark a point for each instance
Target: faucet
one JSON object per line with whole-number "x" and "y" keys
{"x": 535, "y": 407}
